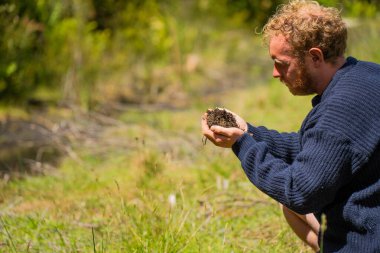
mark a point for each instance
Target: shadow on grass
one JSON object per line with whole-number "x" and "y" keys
{"x": 28, "y": 148}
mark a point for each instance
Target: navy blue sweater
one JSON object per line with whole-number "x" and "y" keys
{"x": 332, "y": 165}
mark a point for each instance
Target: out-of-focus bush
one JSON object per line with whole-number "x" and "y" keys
{"x": 362, "y": 8}
{"x": 49, "y": 44}
{"x": 73, "y": 59}
{"x": 19, "y": 49}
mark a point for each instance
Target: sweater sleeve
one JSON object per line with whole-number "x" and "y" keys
{"x": 311, "y": 181}
{"x": 284, "y": 146}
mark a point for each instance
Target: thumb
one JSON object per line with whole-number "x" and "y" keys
{"x": 217, "y": 129}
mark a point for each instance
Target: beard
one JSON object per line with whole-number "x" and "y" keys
{"x": 303, "y": 84}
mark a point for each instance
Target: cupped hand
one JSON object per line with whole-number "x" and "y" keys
{"x": 221, "y": 136}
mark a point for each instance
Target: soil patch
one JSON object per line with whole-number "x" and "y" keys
{"x": 220, "y": 117}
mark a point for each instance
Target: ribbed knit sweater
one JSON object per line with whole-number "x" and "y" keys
{"x": 332, "y": 165}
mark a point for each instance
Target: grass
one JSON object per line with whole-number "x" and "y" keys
{"x": 119, "y": 201}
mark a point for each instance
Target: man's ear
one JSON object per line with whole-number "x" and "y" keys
{"x": 316, "y": 55}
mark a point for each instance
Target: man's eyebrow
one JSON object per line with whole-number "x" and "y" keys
{"x": 280, "y": 61}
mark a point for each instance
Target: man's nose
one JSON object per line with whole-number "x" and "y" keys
{"x": 275, "y": 73}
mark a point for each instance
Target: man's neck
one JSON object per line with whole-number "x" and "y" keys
{"x": 327, "y": 73}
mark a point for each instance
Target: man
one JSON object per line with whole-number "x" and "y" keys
{"x": 331, "y": 167}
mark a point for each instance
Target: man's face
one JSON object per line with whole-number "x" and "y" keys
{"x": 294, "y": 74}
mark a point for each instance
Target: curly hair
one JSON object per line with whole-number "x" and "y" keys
{"x": 306, "y": 24}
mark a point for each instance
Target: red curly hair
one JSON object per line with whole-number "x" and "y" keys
{"x": 307, "y": 24}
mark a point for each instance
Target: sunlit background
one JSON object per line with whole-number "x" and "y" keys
{"x": 100, "y": 106}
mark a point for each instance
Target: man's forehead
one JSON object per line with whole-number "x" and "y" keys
{"x": 279, "y": 47}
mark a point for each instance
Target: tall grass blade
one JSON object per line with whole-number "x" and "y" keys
{"x": 13, "y": 247}
{"x": 323, "y": 229}
{"x": 93, "y": 239}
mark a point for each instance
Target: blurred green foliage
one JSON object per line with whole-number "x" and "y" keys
{"x": 362, "y": 8}
{"x": 74, "y": 47}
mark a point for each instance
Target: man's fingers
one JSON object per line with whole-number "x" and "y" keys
{"x": 220, "y": 130}
{"x": 219, "y": 140}
{"x": 227, "y": 132}
{"x": 204, "y": 125}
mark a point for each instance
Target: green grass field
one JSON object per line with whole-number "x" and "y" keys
{"x": 164, "y": 191}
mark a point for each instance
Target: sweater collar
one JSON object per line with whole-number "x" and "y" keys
{"x": 350, "y": 61}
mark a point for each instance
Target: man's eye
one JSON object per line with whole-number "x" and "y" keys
{"x": 278, "y": 65}
{"x": 281, "y": 64}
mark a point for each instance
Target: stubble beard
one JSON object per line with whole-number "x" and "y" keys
{"x": 303, "y": 84}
